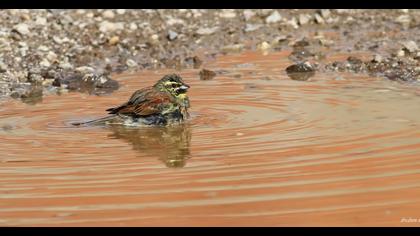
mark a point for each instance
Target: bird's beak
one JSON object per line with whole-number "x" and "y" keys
{"x": 184, "y": 87}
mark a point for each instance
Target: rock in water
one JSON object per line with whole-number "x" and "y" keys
{"x": 300, "y": 71}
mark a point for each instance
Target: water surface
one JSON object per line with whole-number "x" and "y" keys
{"x": 260, "y": 150}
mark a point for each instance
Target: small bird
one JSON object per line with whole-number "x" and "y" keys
{"x": 164, "y": 103}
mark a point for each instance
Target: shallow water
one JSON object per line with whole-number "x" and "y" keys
{"x": 259, "y": 150}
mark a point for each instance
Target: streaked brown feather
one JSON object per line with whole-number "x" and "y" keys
{"x": 144, "y": 102}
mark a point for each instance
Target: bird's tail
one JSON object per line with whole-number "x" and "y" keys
{"x": 100, "y": 120}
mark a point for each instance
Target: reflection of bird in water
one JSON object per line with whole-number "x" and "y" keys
{"x": 171, "y": 144}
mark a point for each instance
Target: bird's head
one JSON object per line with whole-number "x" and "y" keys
{"x": 174, "y": 85}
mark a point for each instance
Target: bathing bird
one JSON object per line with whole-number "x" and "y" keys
{"x": 164, "y": 103}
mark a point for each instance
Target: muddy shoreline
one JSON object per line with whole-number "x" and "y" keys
{"x": 56, "y": 51}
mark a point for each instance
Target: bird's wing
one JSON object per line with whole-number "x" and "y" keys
{"x": 143, "y": 103}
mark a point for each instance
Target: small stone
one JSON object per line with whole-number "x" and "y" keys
{"x": 35, "y": 78}
{"x": 400, "y": 53}
{"x": 175, "y": 21}
{"x": 227, "y": 13}
{"x": 207, "y": 74}
{"x": 233, "y": 48}
{"x": 300, "y": 71}
{"x": 304, "y": 19}
{"x": 43, "y": 48}
{"x": 377, "y": 58}
{"x": 22, "y": 28}
{"x": 3, "y": 67}
{"x": 207, "y": 31}
{"x": 172, "y": 35}
{"x": 293, "y": 22}
{"x": 45, "y": 63}
{"x": 65, "y": 65}
{"x": 239, "y": 134}
{"x": 252, "y": 27}
{"x": 51, "y": 56}
{"x": 248, "y": 14}
{"x": 319, "y": 19}
{"x": 106, "y": 26}
{"x": 120, "y": 11}
{"x": 264, "y": 12}
{"x": 410, "y": 46}
{"x": 108, "y": 14}
{"x": 25, "y": 17}
{"x": 273, "y": 18}
{"x": 85, "y": 69}
{"x": 59, "y": 40}
{"x": 114, "y": 40}
{"x": 264, "y": 46}
{"x": 403, "y": 19}
{"x": 343, "y": 11}
{"x": 325, "y": 13}
{"x": 41, "y": 21}
{"x": 133, "y": 26}
{"x": 131, "y": 63}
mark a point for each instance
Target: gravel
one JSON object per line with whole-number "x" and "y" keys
{"x": 54, "y": 51}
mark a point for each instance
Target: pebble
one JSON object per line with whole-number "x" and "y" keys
{"x": 233, "y": 48}
{"x": 264, "y": 46}
{"x": 300, "y": 71}
{"x": 120, "y": 11}
{"x": 325, "y": 13}
{"x": 252, "y": 27}
{"x": 45, "y": 63}
{"x": 114, "y": 40}
{"x": 227, "y": 13}
{"x": 319, "y": 19}
{"x": 108, "y": 14}
{"x": 65, "y": 65}
{"x": 131, "y": 63}
{"x": 85, "y": 69}
{"x": 41, "y": 21}
{"x": 59, "y": 40}
{"x": 43, "y": 48}
{"x": 106, "y": 26}
{"x": 248, "y": 14}
{"x": 175, "y": 21}
{"x": 22, "y": 28}
{"x": 400, "y": 53}
{"x": 207, "y": 31}
{"x": 410, "y": 46}
{"x": 293, "y": 22}
{"x": 304, "y": 19}
{"x": 273, "y": 18}
{"x": 172, "y": 35}
{"x": 133, "y": 26}
{"x": 35, "y": 78}
{"x": 377, "y": 58}
{"x": 3, "y": 67}
{"x": 207, "y": 74}
{"x": 403, "y": 19}
{"x": 51, "y": 56}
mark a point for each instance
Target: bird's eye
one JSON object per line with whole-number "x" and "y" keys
{"x": 174, "y": 85}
